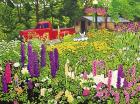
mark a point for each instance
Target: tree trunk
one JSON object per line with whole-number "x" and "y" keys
{"x": 37, "y": 10}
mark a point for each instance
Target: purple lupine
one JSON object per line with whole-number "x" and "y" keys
{"x": 43, "y": 55}
{"x": 56, "y": 61}
{"x": 52, "y": 64}
{"x": 120, "y": 75}
{"x": 125, "y": 83}
{"x": 30, "y": 84}
{"x": 30, "y": 60}
{"x": 36, "y": 64}
{"x": 22, "y": 54}
{"x": 4, "y": 84}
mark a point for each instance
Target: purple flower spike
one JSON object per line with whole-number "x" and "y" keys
{"x": 120, "y": 75}
{"x": 30, "y": 60}
{"x": 43, "y": 55}
{"x": 56, "y": 58}
{"x": 52, "y": 64}
{"x": 30, "y": 84}
{"x": 36, "y": 64}
{"x": 4, "y": 84}
{"x": 22, "y": 54}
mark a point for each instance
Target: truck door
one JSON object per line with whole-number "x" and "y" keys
{"x": 43, "y": 30}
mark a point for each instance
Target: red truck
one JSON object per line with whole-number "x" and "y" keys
{"x": 44, "y": 30}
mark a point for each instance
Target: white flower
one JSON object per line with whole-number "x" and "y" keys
{"x": 0, "y": 68}
{"x": 50, "y": 90}
{"x": 24, "y": 70}
{"x": 42, "y": 91}
{"x": 37, "y": 84}
{"x": 138, "y": 59}
{"x": 71, "y": 75}
{"x": 16, "y": 64}
{"x": 90, "y": 75}
{"x": 99, "y": 78}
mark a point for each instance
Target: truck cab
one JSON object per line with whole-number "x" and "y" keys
{"x": 44, "y": 30}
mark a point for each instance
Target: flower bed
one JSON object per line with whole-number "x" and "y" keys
{"x": 103, "y": 69}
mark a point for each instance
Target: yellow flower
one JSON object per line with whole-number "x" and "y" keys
{"x": 58, "y": 96}
{"x": 69, "y": 96}
{"x": 70, "y": 99}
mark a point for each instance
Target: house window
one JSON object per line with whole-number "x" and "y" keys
{"x": 89, "y": 23}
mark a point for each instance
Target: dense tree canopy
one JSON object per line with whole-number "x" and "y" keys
{"x": 22, "y": 14}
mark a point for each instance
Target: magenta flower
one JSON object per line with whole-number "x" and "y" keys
{"x": 109, "y": 79}
{"x": 86, "y": 92}
{"x": 127, "y": 96}
{"x": 85, "y": 75}
{"x": 117, "y": 98}
{"x": 8, "y": 73}
{"x": 94, "y": 68}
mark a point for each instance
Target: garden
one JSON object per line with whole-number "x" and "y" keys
{"x": 102, "y": 69}
{"x": 99, "y": 66}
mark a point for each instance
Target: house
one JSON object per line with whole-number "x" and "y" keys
{"x": 88, "y": 22}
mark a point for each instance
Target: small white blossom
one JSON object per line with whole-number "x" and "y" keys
{"x": 42, "y": 91}
{"x": 16, "y": 64}
{"x": 24, "y": 70}
{"x": 138, "y": 59}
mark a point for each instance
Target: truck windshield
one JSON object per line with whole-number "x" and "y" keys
{"x": 41, "y": 26}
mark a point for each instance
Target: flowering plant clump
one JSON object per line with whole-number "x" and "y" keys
{"x": 73, "y": 72}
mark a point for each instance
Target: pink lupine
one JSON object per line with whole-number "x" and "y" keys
{"x": 86, "y": 92}
{"x": 8, "y": 73}
{"x": 99, "y": 85}
{"x": 133, "y": 73}
{"x": 94, "y": 68}
{"x": 127, "y": 96}
{"x": 138, "y": 88}
{"x": 133, "y": 93}
{"x": 85, "y": 75}
{"x": 109, "y": 79}
{"x": 99, "y": 94}
{"x": 117, "y": 98}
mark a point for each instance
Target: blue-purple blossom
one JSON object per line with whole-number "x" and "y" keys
{"x": 43, "y": 55}
{"x": 4, "y": 84}
{"x": 30, "y": 84}
{"x": 56, "y": 59}
{"x": 125, "y": 83}
{"x": 120, "y": 75}
{"x": 22, "y": 54}
{"x": 52, "y": 64}
{"x": 30, "y": 60}
{"x": 36, "y": 64}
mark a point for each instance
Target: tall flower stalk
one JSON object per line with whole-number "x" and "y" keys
{"x": 120, "y": 75}
{"x": 94, "y": 69}
{"x": 52, "y": 64}
{"x": 30, "y": 60}
{"x": 109, "y": 79}
{"x": 22, "y": 54}
{"x": 36, "y": 64}
{"x": 56, "y": 59}
{"x": 43, "y": 55}
{"x": 8, "y": 73}
{"x": 4, "y": 84}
